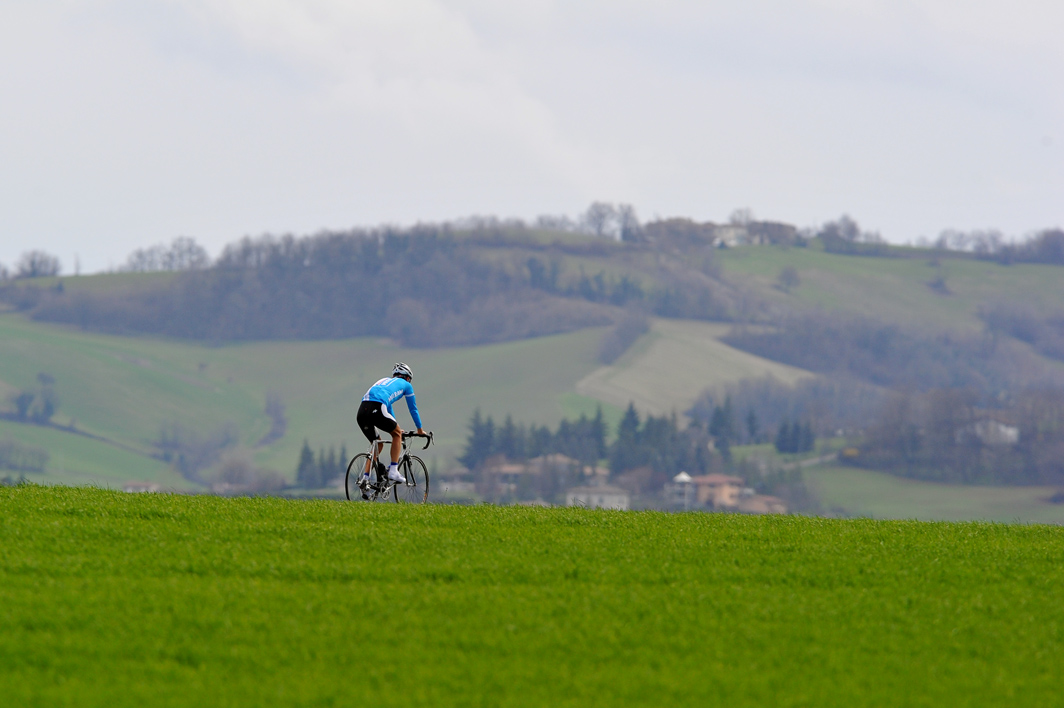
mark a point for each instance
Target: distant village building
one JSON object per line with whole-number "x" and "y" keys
{"x": 730, "y": 235}
{"x": 457, "y": 481}
{"x": 719, "y": 491}
{"x": 598, "y": 497}
{"x": 681, "y": 494}
{"x": 761, "y": 504}
{"x": 993, "y": 432}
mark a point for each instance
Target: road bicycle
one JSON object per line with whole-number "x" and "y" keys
{"x": 378, "y": 487}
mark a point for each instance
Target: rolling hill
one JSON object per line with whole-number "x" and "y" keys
{"x": 122, "y": 390}
{"x": 125, "y": 389}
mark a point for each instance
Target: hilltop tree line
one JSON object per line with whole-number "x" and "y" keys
{"x": 422, "y": 286}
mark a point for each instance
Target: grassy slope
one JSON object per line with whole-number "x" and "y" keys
{"x": 882, "y": 496}
{"x": 895, "y": 289}
{"x": 126, "y": 388}
{"x": 645, "y": 374}
{"x": 79, "y": 460}
{"x": 111, "y": 600}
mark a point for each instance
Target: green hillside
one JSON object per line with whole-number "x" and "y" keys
{"x": 124, "y": 389}
{"x": 647, "y": 373}
{"x": 895, "y": 289}
{"x": 878, "y": 495}
{"x": 110, "y": 599}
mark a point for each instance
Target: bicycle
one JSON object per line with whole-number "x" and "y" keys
{"x": 378, "y": 488}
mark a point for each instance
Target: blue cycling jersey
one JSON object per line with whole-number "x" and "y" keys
{"x": 390, "y": 390}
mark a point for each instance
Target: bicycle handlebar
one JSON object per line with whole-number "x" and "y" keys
{"x": 427, "y": 436}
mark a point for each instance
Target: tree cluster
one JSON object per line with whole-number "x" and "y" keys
{"x": 891, "y": 356}
{"x": 1046, "y": 246}
{"x": 650, "y": 453}
{"x": 20, "y": 457}
{"x": 1044, "y": 332}
{"x": 38, "y": 404}
{"x": 38, "y": 264}
{"x": 795, "y": 437}
{"x": 645, "y": 454}
{"x": 950, "y": 435}
{"x": 583, "y": 439}
{"x": 827, "y": 403}
{"x": 183, "y": 253}
{"x": 315, "y": 473}
{"x": 844, "y": 236}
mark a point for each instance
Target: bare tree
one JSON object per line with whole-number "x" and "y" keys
{"x": 844, "y": 229}
{"x": 741, "y": 217}
{"x": 183, "y": 253}
{"x": 38, "y": 264}
{"x": 628, "y": 222}
{"x": 552, "y": 222}
{"x": 600, "y": 218}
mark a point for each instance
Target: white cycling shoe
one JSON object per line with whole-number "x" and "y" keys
{"x": 395, "y": 476}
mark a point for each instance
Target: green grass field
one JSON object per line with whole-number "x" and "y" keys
{"x": 882, "y": 496}
{"x": 109, "y": 599}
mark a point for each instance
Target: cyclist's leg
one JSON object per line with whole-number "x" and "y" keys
{"x": 366, "y": 419}
{"x": 390, "y": 425}
{"x": 397, "y": 444}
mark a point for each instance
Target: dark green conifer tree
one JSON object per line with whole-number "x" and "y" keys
{"x": 306, "y": 473}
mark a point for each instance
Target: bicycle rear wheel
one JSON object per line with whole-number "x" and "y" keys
{"x": 416, "y": 489}
{"x": 354, "y": 469}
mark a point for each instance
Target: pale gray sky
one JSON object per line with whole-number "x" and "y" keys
{"x": 124, "y": 123}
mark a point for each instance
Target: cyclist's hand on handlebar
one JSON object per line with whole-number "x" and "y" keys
{"x": 421, "y": 432}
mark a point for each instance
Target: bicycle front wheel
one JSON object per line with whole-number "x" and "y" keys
{"x": 416, "y": 488}
{"x": 354, "y": 470}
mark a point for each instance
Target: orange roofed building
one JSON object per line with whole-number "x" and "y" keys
{"x": 720, "y": 491}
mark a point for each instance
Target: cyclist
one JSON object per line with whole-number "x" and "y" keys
{"x": 376, "y": 412}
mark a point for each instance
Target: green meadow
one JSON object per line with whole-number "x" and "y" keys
{"x": 896, "y": 289}
{"x": 857, "y": 492}
{"x": 111, "y": 599}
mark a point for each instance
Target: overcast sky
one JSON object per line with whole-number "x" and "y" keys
{"x": 127, "y": 123}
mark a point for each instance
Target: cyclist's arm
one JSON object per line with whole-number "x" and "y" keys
{"x": 411, "y": 404}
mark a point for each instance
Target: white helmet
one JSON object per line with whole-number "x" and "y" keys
{"x": 401, "y": 369}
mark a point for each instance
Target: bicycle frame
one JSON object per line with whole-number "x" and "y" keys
{"x": 382, "y": 486}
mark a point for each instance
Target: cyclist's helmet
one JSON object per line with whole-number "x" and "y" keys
{"x": 401, "y": 369}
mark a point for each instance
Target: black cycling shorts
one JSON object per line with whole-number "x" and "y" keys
{"x": 373, "y": 415}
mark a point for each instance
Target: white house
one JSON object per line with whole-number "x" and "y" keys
{"x": 681, "y": 493}
{"x": 601, "y": 497}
